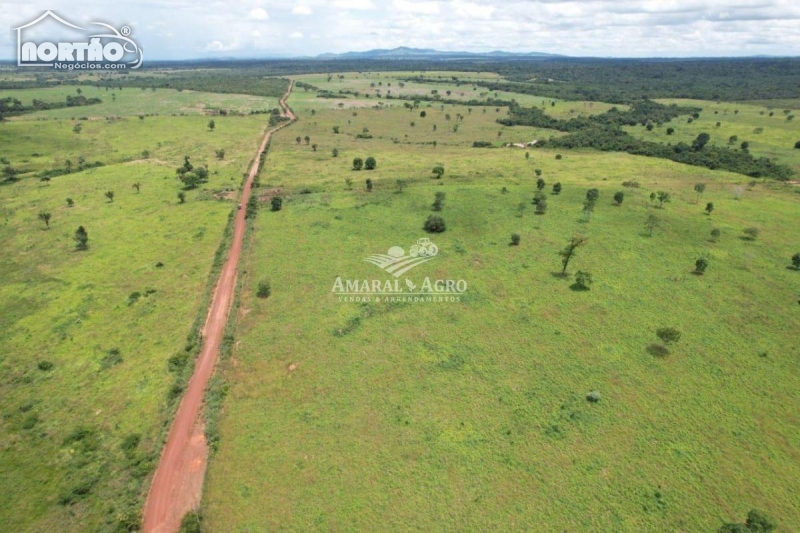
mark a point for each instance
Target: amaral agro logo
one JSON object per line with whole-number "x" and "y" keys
{"x": 396, "y": 262}
{"x": 80, "y": 48}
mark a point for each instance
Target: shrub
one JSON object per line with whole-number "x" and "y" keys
{"x": 715, "y": 233}
{"x": 515, "y": 238}
{"x": 557, "y": 188}
{"x": 593, "y": 396}
{"x": 670, "y": 131}
{"x": 632, "y": 184}
{"x": 438, "y": 171}
{"x": 540, "y": 184}
{"x": 541, "y": 206}
{"x": 369, "y": 184}
{"x": 70, "y": 202}
{"x": 434, "y": 224}
{"x": 558, "y": 157}
{"x": 112, "y": 358}
{"x": 709, "y": 208}
{"x": 276, "y": 204}
{"x": 370, "y": 163}
{"x": 438, "y": 201}
{"x": 358, "y": 163}
{"x": 668, "y": 335}
{"x": 482, "y": 144}
{"x": 796, "y": 261}
{"x": 264, "y": 289}
{"x": 618, "y": 197}
{"x": 81, "y": 238}
{"x": 751, "y": 234}
{"x": 700, "y": 266}
{"x": 44, "y": 366}
{"x": 583, "y": 280}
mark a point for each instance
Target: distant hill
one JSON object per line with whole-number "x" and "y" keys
{"x": 404, "y": 52}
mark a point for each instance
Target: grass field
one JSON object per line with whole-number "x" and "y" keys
{"x": 776, "y": 139}
{"x": 132, "y": 102}
{"x": 471, "y": 415}
{"x": 85, "y": 336}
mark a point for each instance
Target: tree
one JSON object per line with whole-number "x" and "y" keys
{"x": 211, "y": 125}
{"x": 538, "y": 172}
{"x": 670, "y": 131}
{"x": 434, "y": 224}
{"x": 369, "y": 184}
{"x": 264, "y": 289}
{"x": 307, "y": 139}
{"x": 700, "y": 142}
{"x": 796, "y": 261}
{"x": 298, "y": 139}
{"x": 557, "y": 188}
{"x": 276, "y": 204}
{"x": 582, "y": 280}
{"x": 699, "y": 188}
{"x": 515, "y": 238}
{"x": 715, "y": 233}
{"x": 70, "y": 202}
{"x": 540, "y": 184}
{"x": 44, "y": 216}
{"x": 137, "y": 186}
{"x": 422, "y": 114}
{"x": 592, "y": 194}
{"x": 335, "y": 152}
{"x": 348, "y": 183}
{"x": 709, "y": 208}
{"x": 77, "y": 128}
{"x": 745, "y": 145}
{"x": 438, "y": 201}
{"x": 438, "y": 171}
{"x": 541, "y": 206}
{"x": 181, "y": 197}
{"x": 756, "y": 522}
{"x": 700, "y": 266}
{"x": 81, "y": 238}
{"x": 797, "y": 145}
{"x": 651, "y": 223}
{"x": 336, "y": 129}
{"x": 618, "y": 197}
{"x": 401, "y": 184}
{"x": 314, "y": 147}
{"x": 668, "y": 335}
{"x": 751, "y": 234}
{"x": 588, "y": 207}
{"x": 569, "y": 252}
{"x": 370, "y": 163}
{"x": 663, "y": 197}
{"x": 358, "y": 163}
{"x": 109, "y": 195}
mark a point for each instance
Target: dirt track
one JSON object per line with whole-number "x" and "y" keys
{"x": 178, "y": 481}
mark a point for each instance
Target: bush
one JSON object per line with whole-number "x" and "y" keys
{"x": 668, "y": 335}
{"x": 618, "y": 197}
{"x": 558, "y": 157}
{"x": 715, "y": 233}
{"x": 369, "y": 184}
{"x": 632, "y": 184}
{"x": 434, "y": 224}
{"x": 751, "y": 234}
{"x": 593, "y": 396}
{"x": 44, "y": 366}
{"x": 264, "y": 289}
{"x": 515, "y": 238}
{"x": 700, "y": 266}
{"x": 358, "y": 163}
{"x": 276, "y": 204}
{"x": 541, "y": 206}
{"x": 557, "y": 188}
{"x": 438, "y": 171}
{"x": 796, "y": 261}
{"x": 582, "y": 280}
{"x": 370, "y": 163}
{"x": 482, "y": 144}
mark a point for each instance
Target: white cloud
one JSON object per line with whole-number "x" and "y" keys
{"x": 302, "y": 10}
{"x": 296, "y": 35}
{"x": 354, "y": 4}
{"x": 424, "y": 8}
{"x": 258, "y": 13}
{"x": 217, "y": 46}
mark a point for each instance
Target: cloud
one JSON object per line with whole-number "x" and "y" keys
{"x": 258, "y": 13}
{"x": 354, "y": 4}
{"x": 425, "y": 8}
{"x": 302, "y": 10}
{"x": 217, "y": 46}
{"x": 296, "y": 35}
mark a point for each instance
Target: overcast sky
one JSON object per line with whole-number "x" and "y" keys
{"x": 179, "y": 29}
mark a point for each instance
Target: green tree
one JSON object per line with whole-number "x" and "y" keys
{"x": 434, "y": 224}
{"x": 77, "y": 128}
{"x": 557, "y": 188}
{"x": 751, "y": 234}
{"x": 668, "y": 335}
{"x": 401, "y": 184}
{"x": 663, "y": 197}
{"x": 335, "y": 152}
{"x": 358, "y": 163}
{"x": 541, "y": 206}
{"x": 336, "y": 129}
{"x": 670, "y": 131}
{"x": 44, "y": 216}
{"x": 709, "y": 208}
{"x": 588, "y": 207}
{"x": 137, "y": 186}
{"x": 314, "y": 147}
{"x": 796, "y": 261}
{"x": 307, "y": 139}
{"x": 538, "y": 172}
{"x": 540, "y": 184}
{"x": 619, "y": 196}
{"x": 276, "y": 204}
{"x": 438, "y": 171}
{"x": 592, "y": 194}
{"x": 370, "y": 163}
{"x": 797, "y": 145}
{"x": 264, "y": 289}
{"x": 715, "y": 234}
{"x": 70, "y": 202}
{"x": 700, "y": 266}
{"x": 569, "y": 252}
{"x": 181, "y": 197}
{"x": 583, "y": 280}
{"x": 515, "y": 238}
{"x": 211, "y": 125}
{"x": 700, "y": 142}
{"x": 438, "y": 201}
{"x": 298, "y": 139}
{"x": 699, "y": 188}
{"x": 348, "y": 183}
{"x": 109, "y": 195}
{"x": 369, "y": 184}
{"x": 81, "y": 238}
{"x": 745, "y": 145}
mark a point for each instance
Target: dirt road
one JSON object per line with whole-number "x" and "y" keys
{"x": 178, "y": 482}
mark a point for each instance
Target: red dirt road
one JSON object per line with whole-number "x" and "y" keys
{"x": 178, "y": 482}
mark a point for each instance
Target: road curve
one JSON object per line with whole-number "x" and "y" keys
{"x": 178, "y": 481}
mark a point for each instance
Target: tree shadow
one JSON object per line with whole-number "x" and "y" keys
{"x": 657, "y": 350}
{"x": 578, "y": 287}
{"x": 559, "y": 275}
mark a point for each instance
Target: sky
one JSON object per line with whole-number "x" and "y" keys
{"x": 187, "y": 29}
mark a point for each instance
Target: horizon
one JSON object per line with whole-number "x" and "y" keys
{"x": 176, "y": 30}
